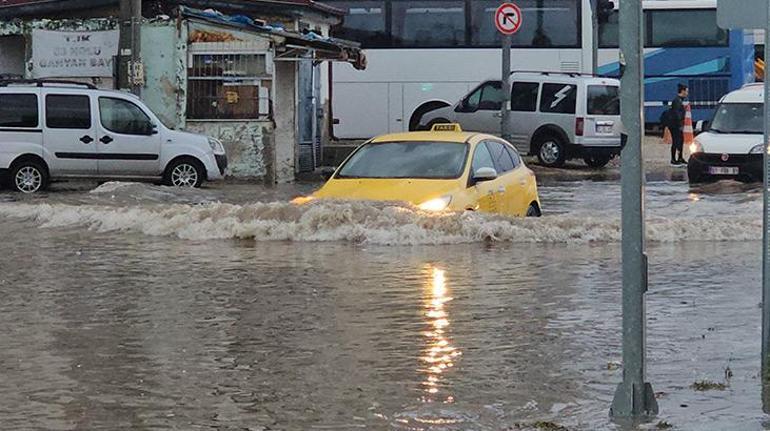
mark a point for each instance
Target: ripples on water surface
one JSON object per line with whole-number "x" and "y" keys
{"x": 114, "y": 322}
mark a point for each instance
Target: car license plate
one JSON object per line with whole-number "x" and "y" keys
{"x": 723, "y": 170}
{"x": 604, "y": 129}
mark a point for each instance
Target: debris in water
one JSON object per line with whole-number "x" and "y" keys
{"x": 659, "y": 395}
{"x": 540, "y": 426}
{"x": 663, "y": 425}
{"x": 706, "y": 385}
{"x": 614, "y": 365}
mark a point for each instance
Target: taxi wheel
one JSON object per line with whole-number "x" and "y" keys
{"x": 551, "y": 151}
{"x": 533, "y": 211}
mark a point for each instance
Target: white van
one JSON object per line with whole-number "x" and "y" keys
{"x": 555, "y": 116}
{"x": 52, "y": 130}
{"x": 730, "y": 146}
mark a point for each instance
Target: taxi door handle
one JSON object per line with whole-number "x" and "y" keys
{"x": 501, "y": 189}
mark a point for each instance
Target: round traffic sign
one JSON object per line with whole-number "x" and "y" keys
{"x": 508, "y": 18}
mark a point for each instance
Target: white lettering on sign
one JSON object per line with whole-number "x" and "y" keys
{"x": 65, "y": 54}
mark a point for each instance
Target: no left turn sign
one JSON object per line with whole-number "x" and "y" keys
{"x": 508, "y": 18}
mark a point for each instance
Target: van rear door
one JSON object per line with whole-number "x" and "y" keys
{"x": 602, "y": 120}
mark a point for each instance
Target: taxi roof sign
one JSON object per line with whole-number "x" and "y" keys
{"x": 446, "y": 127}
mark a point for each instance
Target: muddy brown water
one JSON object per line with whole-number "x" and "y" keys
{"x": 132, "y": 307}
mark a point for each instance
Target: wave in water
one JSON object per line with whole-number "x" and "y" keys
{"x": 367, "y": 222}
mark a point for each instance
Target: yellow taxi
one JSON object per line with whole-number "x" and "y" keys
{"x": 444, "y": 169}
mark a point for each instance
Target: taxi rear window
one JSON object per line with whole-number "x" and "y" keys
{"x": 422, "y": 160}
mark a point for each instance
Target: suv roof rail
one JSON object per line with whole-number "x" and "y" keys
{"x": 43, "y": 82}
{"x": 550, "y": 72}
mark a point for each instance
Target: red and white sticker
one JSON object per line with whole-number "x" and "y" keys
{"x": 508, "y": 18}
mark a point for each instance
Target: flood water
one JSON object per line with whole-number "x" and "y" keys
{"x": 140, "y": 307}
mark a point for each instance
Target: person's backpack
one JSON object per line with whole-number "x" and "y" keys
{"x": 668, "y": 117}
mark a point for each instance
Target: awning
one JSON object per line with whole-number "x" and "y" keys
{"x": 289, "y": 44}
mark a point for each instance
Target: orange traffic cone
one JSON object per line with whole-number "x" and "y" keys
{"x": 687, "y": 131}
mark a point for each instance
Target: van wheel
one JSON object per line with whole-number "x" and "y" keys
{"x": 28, "y": 176}
{"x": 551, "y": 151}
{"x": 184, "y": 172}
{"x": 597, "y": 161}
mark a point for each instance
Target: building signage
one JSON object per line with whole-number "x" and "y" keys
{"x": 65, "y": 54}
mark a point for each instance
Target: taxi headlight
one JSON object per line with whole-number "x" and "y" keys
{"x": 696, "y": 147}
{"x": 216, "y": 146}
{"x": 757, "y": 149}
{"x": 438, "y": 204}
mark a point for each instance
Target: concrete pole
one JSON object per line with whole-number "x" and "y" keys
{"x": 766, "y": 238}
{"x": 634, "y": 397}
{"x": 505, "y": 130}
{"x": 130, "y": 41}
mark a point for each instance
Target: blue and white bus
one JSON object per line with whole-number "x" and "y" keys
{"x": 425, "y": 54}
{"x": 684, "y": 45}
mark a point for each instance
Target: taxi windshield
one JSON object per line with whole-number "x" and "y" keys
{"x": 424, "y": 160}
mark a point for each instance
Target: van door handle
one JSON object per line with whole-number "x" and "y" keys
{"x": 105, "y": 139}
{"x": 498, "y": 114}
{"x": 86, "y": 139}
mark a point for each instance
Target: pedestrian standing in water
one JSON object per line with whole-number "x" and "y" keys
{"x": 676, "y": 125}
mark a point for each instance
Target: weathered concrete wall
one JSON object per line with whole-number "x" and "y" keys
{"x": 12, "y": 55}
{"x": 164, "y": 88}
{"x": 245, "y": 141}
{"x": 285, "y": 111}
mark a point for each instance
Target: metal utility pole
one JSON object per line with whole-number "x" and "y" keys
{"x": 129, "y": 53}
{"x": 766, "y": 232}
{"x": 595, "y": 36}
{"x": 505, "y": 129}
{"x": 634, "y": 397}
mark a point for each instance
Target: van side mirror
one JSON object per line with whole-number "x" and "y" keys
{"x": 701, "y": 126}
{"x": 484, "y": 174}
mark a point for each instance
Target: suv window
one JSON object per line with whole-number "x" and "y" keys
{"x": 18, "y": 110}
{"x": 502, "y": 159}
{"x": 122, "y": 116}
{"x": 524, "y": 96}
{"x": 488, "y": 97}
{"x": 64, "y": 111}
{"x": 481, "y": 159}
{"x": 603, "y": 100}
{"x": 558, "y": 98}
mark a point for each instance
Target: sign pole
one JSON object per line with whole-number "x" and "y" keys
{"x": 634, "y": 397}
{"x": 506, "y": 88}
{"x": 766, "y": 233}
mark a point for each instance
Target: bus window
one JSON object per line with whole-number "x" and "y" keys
{"x": 608, "y": 32}
{"x": 364, "y": 22}
{"x": 558, "y": 98}
{"x": 524, "y": 96}
{"x": 685, "y": 28}
{"x": 548, "y": 24}
{"x": 428, "y": 23}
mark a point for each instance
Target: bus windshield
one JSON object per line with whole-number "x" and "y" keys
{"x": 427, "y": 160}
{"x": 738, "y": 118}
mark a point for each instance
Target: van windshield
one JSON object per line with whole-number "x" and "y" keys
{"x": 738, "y": 118}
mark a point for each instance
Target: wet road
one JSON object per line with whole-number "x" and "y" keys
{"x": 139, "y": 307}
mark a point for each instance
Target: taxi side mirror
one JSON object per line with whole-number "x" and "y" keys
{"x": 484, "y": 174}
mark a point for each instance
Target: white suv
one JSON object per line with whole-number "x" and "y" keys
{"x": 556, "y": 116}
{"x": 52, "y": 130}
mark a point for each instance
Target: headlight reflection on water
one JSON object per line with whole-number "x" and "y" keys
{"x": 439, "y": 354}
